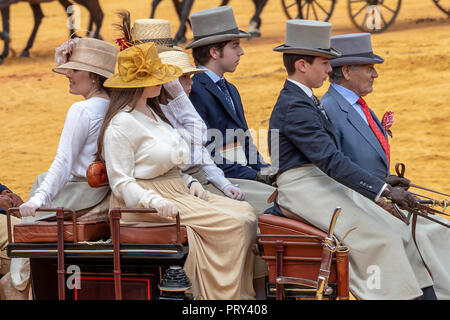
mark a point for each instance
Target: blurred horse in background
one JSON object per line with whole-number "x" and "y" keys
{"x": 93, "y": 6}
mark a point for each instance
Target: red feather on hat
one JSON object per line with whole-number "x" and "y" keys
{"x": 125, "y": 27}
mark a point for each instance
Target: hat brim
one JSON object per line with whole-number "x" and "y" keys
{"x": 217, "y": 38}
{"x": 115, "y": 81}
{"x": 326, "y": 53}
{"x": 62, "y": 69}
{"x": 193, "y": 71}
{"x": 343, "y": 61}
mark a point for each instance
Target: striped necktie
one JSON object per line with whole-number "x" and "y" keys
{"x": 319, "y": 106}
{"x": 223, "y": 87}
{"x": 380, "y": 136}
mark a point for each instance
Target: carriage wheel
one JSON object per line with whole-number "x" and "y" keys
{"x": 443, "y": 5}
{"x": 320, "y": 10}
{"x": 373, "y": 16}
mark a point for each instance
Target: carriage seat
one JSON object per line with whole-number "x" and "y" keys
{"x": 47, "y": 231}
{"x": 165, "y": 234}
{"x": 292, "y": 249}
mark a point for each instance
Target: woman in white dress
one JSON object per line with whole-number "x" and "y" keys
{"x": 86, "y": 63}
{"x": 144, "y": 155}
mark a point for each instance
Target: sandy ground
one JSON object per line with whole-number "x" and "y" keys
{"x": 413, "y": 82}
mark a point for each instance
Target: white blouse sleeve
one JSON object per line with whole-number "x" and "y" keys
{"x": 120, "y": 163}
{"x": 72, "y": 141}
{"x": 183, "y": 117}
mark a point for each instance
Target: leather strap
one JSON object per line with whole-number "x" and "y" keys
{"x": 413, "y": 226}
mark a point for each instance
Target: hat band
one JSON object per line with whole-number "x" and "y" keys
{"x": 359, "y": 55}
{"x": 231, "y": 31}
{"x": 160, "y": 41}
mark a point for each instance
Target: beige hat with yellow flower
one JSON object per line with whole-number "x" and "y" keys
{"x": 140, "y": 66}
{"x": 179, "y": 59}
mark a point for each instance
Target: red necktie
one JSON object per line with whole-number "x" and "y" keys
{"x": 380, "y": 136}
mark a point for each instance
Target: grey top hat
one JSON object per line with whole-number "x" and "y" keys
{"x": 356, "y": 48}
{"x": 214, "y": 25}
{"x": 308, "y": 37}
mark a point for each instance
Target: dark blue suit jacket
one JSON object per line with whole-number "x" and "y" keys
{"x": 212, "y": 106}
{"x": 306, "y": 136}
{"x": 2, "y": 187}
{"x": 356, "y": 139}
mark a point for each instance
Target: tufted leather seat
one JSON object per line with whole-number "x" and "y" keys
{"x": 301, "y": 256}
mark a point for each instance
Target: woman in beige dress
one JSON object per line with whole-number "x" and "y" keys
{"x": 144, "y": 155}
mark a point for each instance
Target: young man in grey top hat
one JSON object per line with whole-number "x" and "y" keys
{"x": 315, "y": 177}
{"x": 216, "y": 47}
{"x": 358, "y": 133}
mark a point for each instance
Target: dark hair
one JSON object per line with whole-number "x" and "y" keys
{"x": 201, "y": 54}
{"x": 164, "y": 97}
{"x": 119, "y": 99}
{"x": 289, "y": 61}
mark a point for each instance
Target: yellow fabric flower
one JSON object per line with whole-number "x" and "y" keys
{"x": 140, "y": 66}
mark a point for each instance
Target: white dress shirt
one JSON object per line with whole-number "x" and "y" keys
{"x": 76, "y": 149}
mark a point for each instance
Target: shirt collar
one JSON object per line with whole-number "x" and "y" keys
{"x": 348, "y": 94}
{"x": 307, "y": 90}
{"x": 214, "y": 77}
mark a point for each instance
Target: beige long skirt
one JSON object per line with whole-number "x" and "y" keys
{"x": 220, "y": 231}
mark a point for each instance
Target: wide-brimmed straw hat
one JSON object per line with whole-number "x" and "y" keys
{"x": 140, "y": 66}
{"x": 179, "y": 59}
{"x": 86, "y": 54}
{"x": 154, "y": 30}
{"x": 308, "y": 37}
{"x": 214, "y": 25}
{"x": 356, "y": 48}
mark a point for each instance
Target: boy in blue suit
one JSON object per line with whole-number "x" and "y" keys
{"x": 216, "y": 47}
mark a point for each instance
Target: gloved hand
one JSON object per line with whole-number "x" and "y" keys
{"x": 234, "y": 192}
{"x": 196, "y": 189}
{"x": 166, "y": 208}
{"x": 28, "y": 209}
{"x": 397, "y": 181}
{"x": 174, "y": 88}
{"x": 265, "y": 178}
{"x": 400, "y": 196}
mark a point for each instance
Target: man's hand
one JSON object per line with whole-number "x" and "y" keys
{"x": 396, "y": 181}
{"x": 400, "y": 196}
{"x": 266, "y": 178}
{"x": 234, "y": 192}
{"x": 5, "y": 202}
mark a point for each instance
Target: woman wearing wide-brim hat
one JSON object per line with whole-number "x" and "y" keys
{"x": 87, "y": 63}
{"x": 144, "y": 154}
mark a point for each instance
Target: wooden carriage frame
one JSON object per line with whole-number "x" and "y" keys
{"x": 329, "y": 262}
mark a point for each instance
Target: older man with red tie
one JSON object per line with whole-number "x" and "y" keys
{"x": 364, "y": 139}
